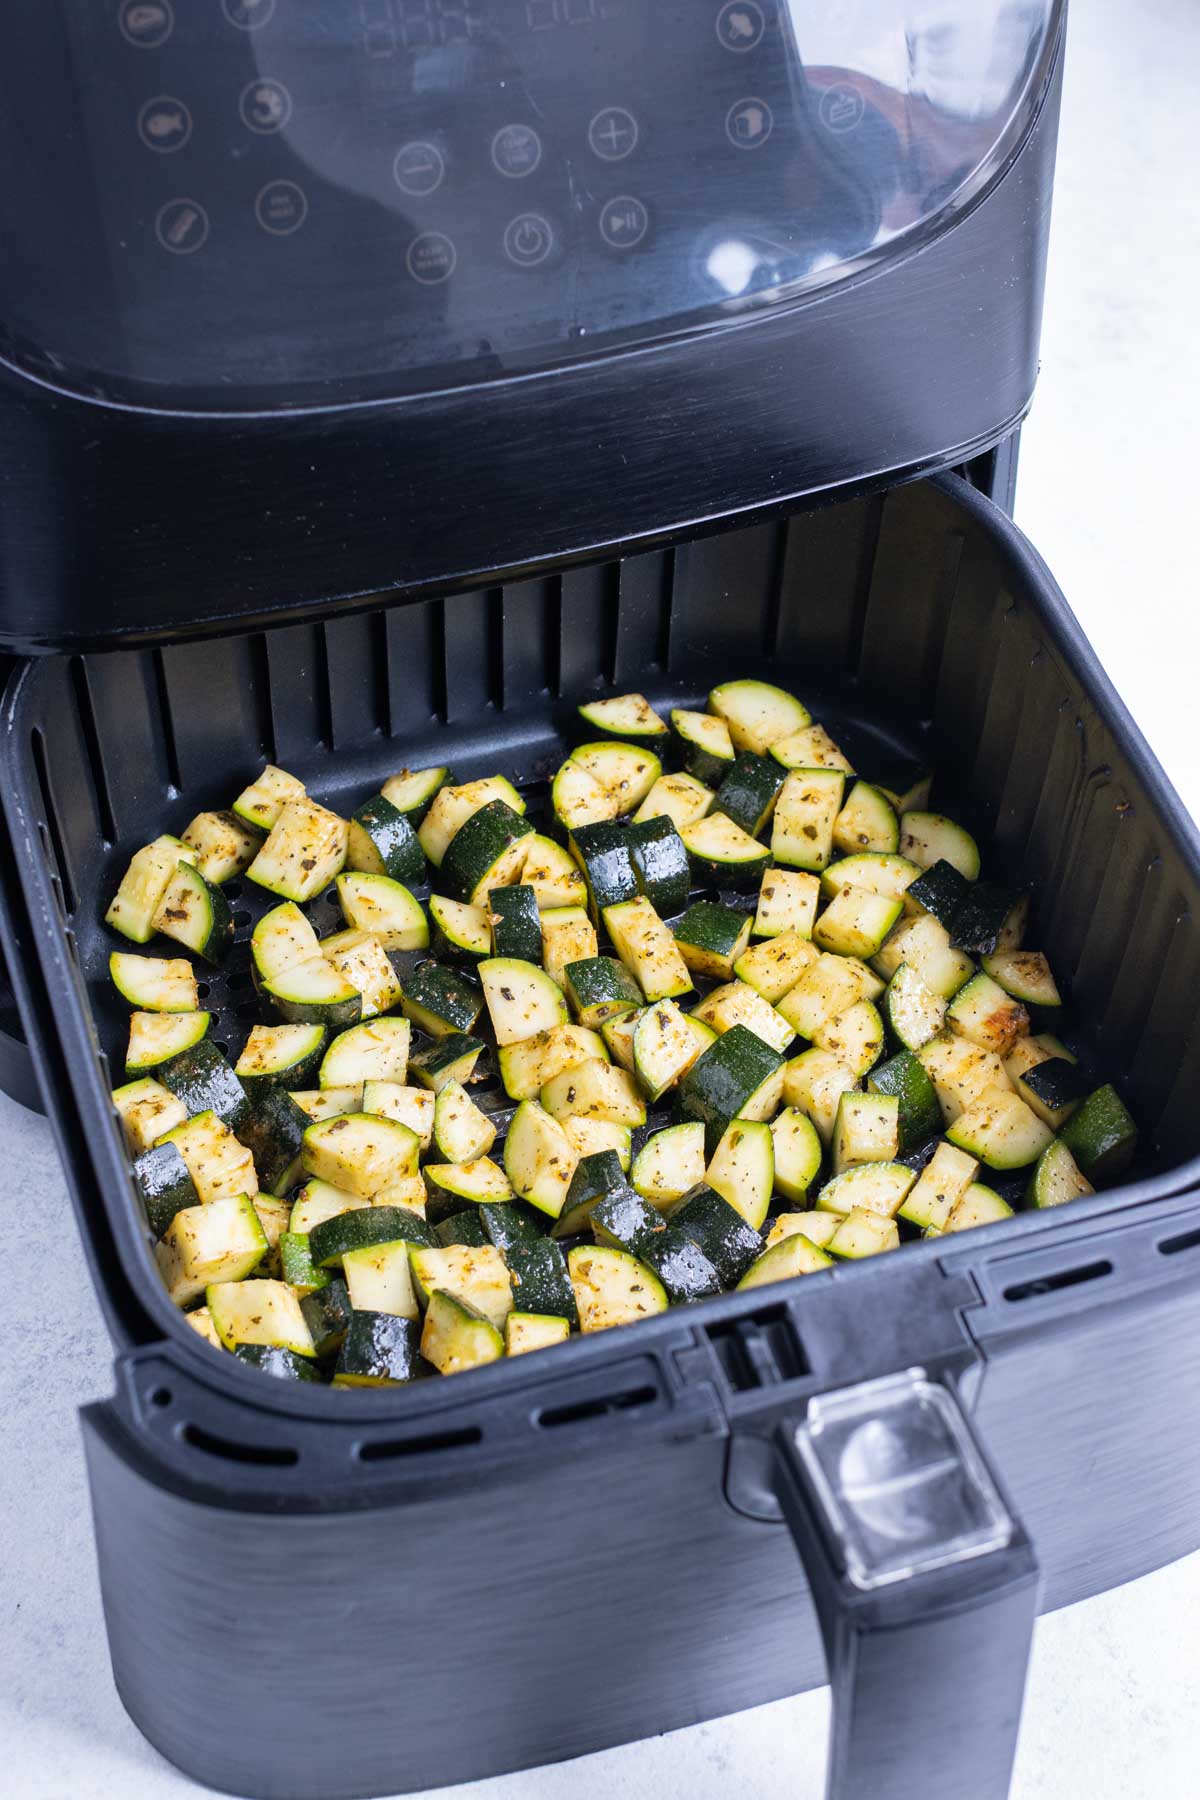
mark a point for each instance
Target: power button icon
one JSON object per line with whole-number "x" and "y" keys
{"x": 528, "y": 240}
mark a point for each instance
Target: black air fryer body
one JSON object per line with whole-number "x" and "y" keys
{"x": 442, "y": 366}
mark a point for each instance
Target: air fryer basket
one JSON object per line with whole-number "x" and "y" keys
{"x": 917, "y": 621}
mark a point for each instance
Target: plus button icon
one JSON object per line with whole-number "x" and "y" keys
{"x": 613, "y": 134}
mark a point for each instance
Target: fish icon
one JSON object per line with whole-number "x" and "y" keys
{"x": 165, "y": 124}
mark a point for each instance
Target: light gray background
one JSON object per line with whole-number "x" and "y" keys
{"x": 1108, "y": 493}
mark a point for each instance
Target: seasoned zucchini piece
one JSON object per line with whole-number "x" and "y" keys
{"x": 809, "y": 803}
{"x": 282, "y": 939}
{"x": 704, "y": 745}
{"x": 938, "y": 1189}
{"x": 594, "y": 1090}
{"x": 749, "y": 790}
{"x": 1000, "y": 1130}
{"x": 315, "y": 993}
{"x": 817, "y": 1227}
{"x": 537, "y": 1270}
{"x": 165, "y": 1184}
{"x": 988, "y": 914}
{"x": 873, "y": 872}
{"x": 1057, "y": 1178}
{"x": 201, "y": 1322}
{"x": 960, "y": 1072}
{"x": 773, "y": 967}
{"x": 742, "y": 1169}
{"x": 533, "y": 1331}
{"x": 411, "y": 1106}
{"x": 383, "y": 842}
{"x": 867, "y": 1130}
{"x": 681, "y": 1265}
{"x": 521, "y": 999}
{"x": 526, "y": 1067}
{"x": 617, "y": 1035}
{"x": 866, "y": 823}
{"x": 579, "y": 799}
{"x": 927, "y": 838}
{"x": 377, "y": 1051}
{"x": 1101, "y": 1136}
{"x": 146, "y": 1110}
{"x": 722, "y": 854}
{"x": 379, "y": 1279}
{"x": 201, "y": 1077}
{"x": 679, "y": 798}
{"x": 627, "y": 772}
{"x": 568, "y": 936}
{"x": 907, "y": 787}
{"x": 660, "y": 859}
{"x": 328, "y": 1315}
{"x": 738, "y": 1004}
{"x": 596, "y": 1177}
{"x": 379, "y": 1350}
{"x": 624, "y": 715}
{"x": 329, "y": 1240}
{"x": 711, "y": 938}
{"x": 587, "y": 1136}
{"x": 258, "y": 1312}
{"x": 814, "y": 1083}
{"x": 924, "y": 944}
{"x": 787, "y": 903}
{"x": 461, "y": 1228}
{"x": 145, "y": 881}
{"x": 441, "y": 1001}
{"x": 326, "y": 1103}
{"x": 797, "y": 1151}
{"x": 939, "y": 889}
{"x": 539, "y": 1158}
{"x": 260, "y": 804}
{"x": 810, "y": 748}
{"x": 855, "y": 1036}
{"x": 604, "y": 852}
{"x": 515, "y": 923}
{"x": 663, "y": 1048}
{"x": 509, "y": 1222}
{"x": 359, "y": 957}
{"x": 670, "y": 1164}
{"x": 451, "y": 1058}
{"x": 453, "y": 806}
{"x": 1053, "y": 1088}
{"x": 551, "y": 871}
{"x": 475, "y": 1274}
{"x": 790, "y": 1256}
{"x": 737, "y": 1077}
{"x": 486, "y": 852}
{"x": 856, "y": 923}
{"x": 385, "y": 908}
{"x": 914, "y": 1013}
{"x": 274, "y": 1136}
{"x": 456, "y": 1336}
{"x": 1025, "y": 974}
{"x": 318, "y": 1201}
{"x": 984, "y": 1014}
{"x": 296, "y": 1265}
{"x": 878, "y": 1187}
{"x": 757, "y": 714}
{"x": 218, "y": 1165}
{"x": 154, "y": 984}
{"x": 284, "y": 1365}
{"x": 719, "y": 1230}
{"x": 979, "y": 1206}
{"x": 905, "y": 1077}
{"x": 273, "y": 1215}
{"x": 612, "y": 1287}
{"x": 360, "y": 1152}
{"x": 305, "y": 850}
{"x": 461, "y": 1131}
{"x": 286, "y": 1056}
{"x": 224, "y": 846}
{"x": 221, "y": 1242}
{"x": 648, "y": 950}
{"x": 601, "y": 989}
{"x": 863, "y": 1233}
{"x": 461, "y": 933}
{"x": 413, "y": 791}
{"x": 195, "y": 914}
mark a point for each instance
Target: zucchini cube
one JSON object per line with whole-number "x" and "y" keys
{"x": 221, "y": 1242}
{"x": 360, "y": 1153}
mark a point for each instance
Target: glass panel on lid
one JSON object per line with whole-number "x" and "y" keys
{"x": 231, "y": 202}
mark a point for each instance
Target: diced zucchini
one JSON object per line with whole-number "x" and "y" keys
{"x": 1101, "y": 1135}
{"x": 516, "y": 923}
{"x": 982, "y": 1012}
{"x": 202, "y": 1078}
{"x": 533, "y": 1331}
{"x": 817, "y": 1227}
{"x": 200, "y": 1320}
{"x": 661, "y": 862}
{"x": 907, "y": 787}
{"x": 522, "y": 1000}
{"x": 316, "y": 1202}
{"x": 537, "y": 1270}
{"x": 736, "y": 1003}
{"x": 737, "y": 1077}
{"x": 814, "y": 1083}
{"x": 905, "y": 1077}
{"x": 612, "y": 1287}
{"x": 773, "y": 967}
{"x": 383, "y": 843}
{"x": 165, "y": 1184}
{"x": 551, "y": 871}
{"x": 527, "y": 1066}
{"x": 797, "y": 1149}
{"x": 579, "y": 800}
{"x": 220, "y": 1242}
{"x": 1025, "y": 974}
{"x": 722, "y": 854}
{"x": 475, "y": 1274}
{"x": 456, "y": 1336}
{"x": 441, "y": 1001}
{"x": 809, "y": 803}
{"x": 669, "y": 1164}
{"x": 145, "y": 881}
{"x": 1000, "y": 1130}
{"x": 874, "y": 872}
{"x": 1057, "y": 1177}
{"x": 810, "y": 748}
{"x": 596, "y": 1177}
{"x": 282, "y": 939}
{"x": 927, "y": 838}
{"x": 377, "y": 1051}
{"x": 855, "y": 1036}
{"x": 296, "y": 1265}
{"x": 648, "y": 950}
{"x": 595, "y": 1090}
{"x": 867, "y": 1130}
{"x": 154, "y": 984}
{"x": 757, "y": 714}
{"x": 461, "y": 1131}
{"x": 863, "y": 1233}
{"x": 960, "y": 1072}
{"x": 568, "y": 936}
{"x": 224, "y": 846}
{"x": 749, "y": 790}
{"x": 315, "y": 993}
{"x": 856, "y": 923}
{"x": 791, "y": 1256}
{"x": 146, "y": 1110}
{"x": 451, "y": 1058}
{"x": 379, "y": 1350}
{"x": 704, "y": 744}
{"x": 728, "y": 1242}
{"x": 939, "y": 889}
{"x": 866, "y": 823}
{"x": 604, "y": 852}
{"x": 305, "y": 850}
{"x": 625, "y": 771}
{"x": 663, "y": 1048}
{"x": 617, "y": 1034}
{"x": 274, "y": 1136}
{"x": 711, "y": 938}
{"x": 924, "y": 944}
{"x": 258, "y": 1312}
{"x": 1053, "y": 1089}
{"x": 261, "y": 803}
{"x": 195, "y": 914}
{"x": 360, "y": 1152}
{"x": 461, "y": 933}
{"x": 330, "y": 1316}
{"x": 680, "y": 798}
{"x": 539, "y": 1158}
{"x": 329, "y": 1240}
{"x": 939, "y": 1187}
{"x": 326, "y": 1103}
{"x": 486, "y": 852}
{"x": 626, "y": 1221}
{"x": 453, "y": 806}
{"x": 280, "y": 1056}
{"x": 624, "y": 715}
{"x": 413, "y": 791}
{"x": 682, "y": 1267}
{"x": 385, "y": 908}
{"x": 979, "y": 1206}
{"x": 914, "y": 1013}
{"x": 989, "y": 913}
{"x": 878, "y": 1187}
{"x": 378, "y": 1278}
{"x": 464, "y": 1227}
{"x": 742, "y": 1169}
{"x": 787, "y": 902}
{"x": 218, "y": 1165}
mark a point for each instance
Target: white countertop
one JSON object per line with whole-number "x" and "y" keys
{"x": 1107, "y": 482}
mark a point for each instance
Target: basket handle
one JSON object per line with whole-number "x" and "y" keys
{"x": 925, "y": 1585}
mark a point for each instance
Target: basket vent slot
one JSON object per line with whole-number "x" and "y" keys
{"x": 549, "y": 1417}
{"x": 1174, "y": 1246}
{"x": 277, "y": 1456}
{"x": 759, "y": 1351}
{"x": 1059, "y": 1278}
{"x": 386, "y": 1449}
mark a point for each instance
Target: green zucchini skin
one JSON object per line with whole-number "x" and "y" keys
{"x": 626, "y": 1221}
{"x": 1101, "y": 1135}
{"x": 274, "y": 1135}
{"x": 299, "y": 1074}
{"x": 722, "y": 1079}
{"x": 540, "y": 1282}
{"x": 904, "y": 1076}
{"x": 717, "y": 1229}
{"x": 717, "y": 933}
{"x": 327, "y": 1313}
{"x": 682, "y": 1267}
{"x": 478, "y": 845}
{"x": 509, "y": 1222}
{"x": 378, "y": 1349}
{"x": 462, "y": 1228}
{"x": 516, "y": 926}
{"x": 596, "y": 1176}
{"x": 604, "y": 853}
{"x": 694, "y": 757}
{"x": 272, "y": 1359}
{"x": 749, "y": 790}
{"x": 329, "y": 1241}
{"x": 1057, "y": 1082}
{"x": 660, "y": 860}
{"x": 940, "y": 890}
{"x": 441, "y": 1000}
{"x": 600, "y": 988}
{"x": 449, "y": 1058}
{"x": 980, "y": 919}
{"x": 204, "y": 1081}
{"x": 393, "y": 839}
{"x": 165, "y": 1185}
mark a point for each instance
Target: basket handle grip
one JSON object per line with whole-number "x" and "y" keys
{"x": 925, "y": 1584}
